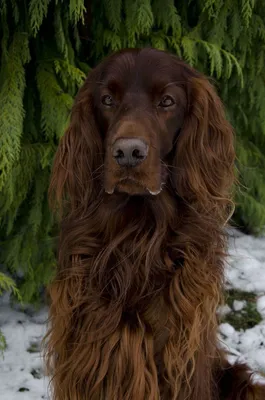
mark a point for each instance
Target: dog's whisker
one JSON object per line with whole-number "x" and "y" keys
{"x": 100, "y": 167}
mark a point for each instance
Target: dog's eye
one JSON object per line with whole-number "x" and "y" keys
{"x": 166, "y": 101}
{"x": 107, "y": 100}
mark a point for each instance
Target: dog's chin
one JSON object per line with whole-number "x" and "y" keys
{"x": 133, "y": 188}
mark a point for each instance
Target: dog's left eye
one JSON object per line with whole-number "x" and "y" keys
{"x": 107, "y": 100}
{"x": 166, "y": 101}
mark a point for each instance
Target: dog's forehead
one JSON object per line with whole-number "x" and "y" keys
{"x": 145, "y": 69}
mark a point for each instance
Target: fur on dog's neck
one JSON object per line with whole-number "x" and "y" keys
{"x": 133, "y": 246}
{"x": 132, "y": 254}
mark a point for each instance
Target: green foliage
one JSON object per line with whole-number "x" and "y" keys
{"x": 37, "y": 12}
{"x": 55, "y": 102}
{"x": 167, "y": 17}
{"x": 76, "y": 10}
{"x": 7, "y": 284}
{"x": 2, "y": 343}
{"x": 36, "y": 95}
{"x": 48, "y": 47}
{"x": 11, "y": 104}
{"x": 113, "y": 10}
{"x": 247, "y": 10}
{"x": 248, "y": 316}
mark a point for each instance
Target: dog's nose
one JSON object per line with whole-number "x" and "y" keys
{"x": 129, "y": 152}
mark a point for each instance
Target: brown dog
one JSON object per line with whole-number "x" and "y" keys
{"x": 143, "y": 176}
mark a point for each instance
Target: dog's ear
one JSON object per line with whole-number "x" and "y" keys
{"x": 204, "y": 158}
{"x": 79, "y": 153}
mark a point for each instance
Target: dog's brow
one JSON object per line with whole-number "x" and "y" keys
{"x": 111, "y": 83}
{"x": 172, "y": 84}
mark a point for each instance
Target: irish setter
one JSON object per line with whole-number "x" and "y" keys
{"x": 142, "y": 178}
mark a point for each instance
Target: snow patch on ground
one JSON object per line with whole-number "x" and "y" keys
{"x": 21, "y": 369}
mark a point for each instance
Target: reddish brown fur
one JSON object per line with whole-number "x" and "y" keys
{"x": 140, "y": 277}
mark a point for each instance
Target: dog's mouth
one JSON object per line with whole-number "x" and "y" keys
{"x": 133, "y": 186}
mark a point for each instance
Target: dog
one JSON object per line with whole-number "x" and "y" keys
{"x": 142, "y": 180}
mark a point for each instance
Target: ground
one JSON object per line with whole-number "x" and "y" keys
{"x": 242, "y": 330}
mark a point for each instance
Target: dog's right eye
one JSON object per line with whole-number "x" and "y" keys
{"x": 166, "y": 101}
{"x": 107, "y": 100}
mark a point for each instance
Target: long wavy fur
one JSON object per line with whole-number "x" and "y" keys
{"x": 133, "y": 304}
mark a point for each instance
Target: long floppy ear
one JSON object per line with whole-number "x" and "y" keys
{"x": 204, "y": 158}
{"x": 79, "y": 153}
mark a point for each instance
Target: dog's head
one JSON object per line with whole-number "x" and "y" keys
{"x": 144, "y": 121}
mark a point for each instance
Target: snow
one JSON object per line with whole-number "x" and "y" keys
{"x": 246, "y": 264}
{"x": 261, "y": 305}
{"x": 22, "y": 374}
{"x": 224, "y": 310}
{"x": 238, "y": 305}
{"x": 22, "y": 358}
